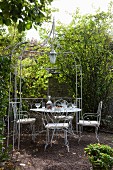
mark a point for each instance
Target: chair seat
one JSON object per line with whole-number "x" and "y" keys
{"x": 88, "y": 123}
{"x": 57, "y": 125}
{"x": 64, "y": 117}
{"x": 26, "y": 120}
{"x": 69, "y": 117}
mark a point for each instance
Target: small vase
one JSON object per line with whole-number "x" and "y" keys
{"x": 49, "y": 103}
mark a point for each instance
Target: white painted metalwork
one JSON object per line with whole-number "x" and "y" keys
{"x": 21, "y": 118}
{"x": 54, "y": 125}
{"x": 21, "y": 46}
{"x": 91, "y": 120}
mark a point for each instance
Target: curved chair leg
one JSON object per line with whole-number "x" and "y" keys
{"x": 52, "y": 136}
{"x": 70, "y": 130}
{"x": 47, "y": 139}
{"x": 80, "y": 132}
{"x": 96, "y": 132}
{"x": 65, "y": 139}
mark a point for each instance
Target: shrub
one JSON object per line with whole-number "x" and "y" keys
{"x": 100, "y": 155}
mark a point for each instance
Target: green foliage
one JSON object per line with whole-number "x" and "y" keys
{"x": 24, "y": 12}
{"x": 86, "y": 40}
{"x": 4, "y": 153}
{"x": 7, "y": 43}
{"x": 9, "y": 38}
{"x": 34, "y": 76}
{"x": 100, "y": 155}
{"x": 4, "y": 77}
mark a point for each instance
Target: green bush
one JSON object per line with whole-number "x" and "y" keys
{"x": 100, "y": 155}
{"x": 4, "y": 85}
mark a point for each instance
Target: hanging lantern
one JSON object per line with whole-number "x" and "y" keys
{"x": 52, "y": 56}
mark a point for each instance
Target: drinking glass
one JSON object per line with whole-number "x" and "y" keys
{"x": 74, "y": 105}
{"x": 37, "y": 105}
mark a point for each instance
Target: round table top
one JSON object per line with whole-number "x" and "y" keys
{"x": 54, "y": 109}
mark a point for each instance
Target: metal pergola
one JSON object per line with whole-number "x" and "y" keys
{"x": 20, "y": 55}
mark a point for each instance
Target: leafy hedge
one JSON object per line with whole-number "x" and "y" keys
{"x": 4, "y": 83}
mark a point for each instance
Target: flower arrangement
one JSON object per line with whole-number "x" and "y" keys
{"x": 100, "y": 156}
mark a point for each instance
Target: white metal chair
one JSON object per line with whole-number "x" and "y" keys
{"x": 91, "y": 120}
{"x": 61, "y": 103}
{"x": 22, "y": 118}
{"x": 55, "y": 125}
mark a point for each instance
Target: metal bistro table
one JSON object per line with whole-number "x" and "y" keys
{"x": 69, "y": 110}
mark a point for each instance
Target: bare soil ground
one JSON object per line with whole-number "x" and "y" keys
{"x": 33, "y": 157}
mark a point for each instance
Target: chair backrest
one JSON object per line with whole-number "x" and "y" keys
{"x": 61, "y": 103}
{"x": 17, "y": 113}
{"x": 22, "y": 116}
{"x": 15, "y": 109}
{"x": 56, "y": 116}
{"x": 99, "y": 111}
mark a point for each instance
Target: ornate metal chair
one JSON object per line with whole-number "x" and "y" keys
{"x": 55, "y": 125}
{"x": 61, "y": 103}
{"x": 22, "y": 118}
{"x": 91, "y": 120}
